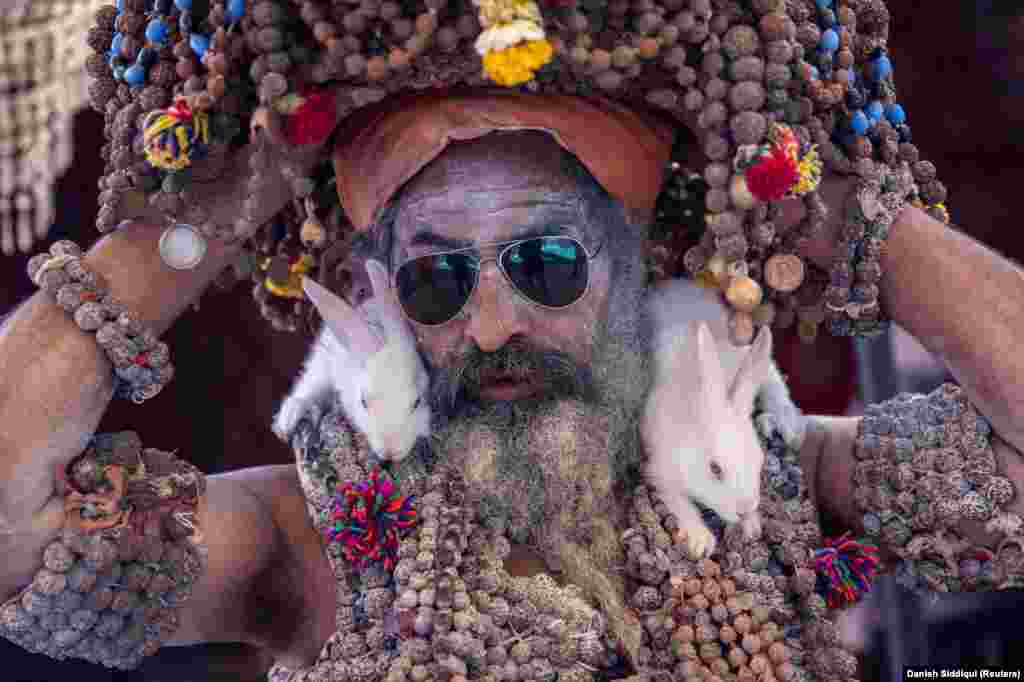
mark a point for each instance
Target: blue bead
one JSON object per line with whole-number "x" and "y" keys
{"x": 875, "y": 111}
{"x": 829, "y": 41}
{"x": 824, "y": 4}
{"x": 815, "y": 73}
{"x": 895, "y": 114}
{"x": 156, "y": 32}
{"x": 115, "y": 44}
{"x": 120, "y": 6}
{"x": 183, "y": 5}
{"x": 199, "y": 44}
{"x": 119, "y": 70}
{"x": 883, "y": 67}
{"x": 135, "y": 75}
{"x": 236, "y": 10}
{"x": 147, "y": 57}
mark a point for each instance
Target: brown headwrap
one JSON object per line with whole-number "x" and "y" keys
{"x": 626, "y": 151}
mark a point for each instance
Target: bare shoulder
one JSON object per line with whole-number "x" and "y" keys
{"x": 267, "y": 581}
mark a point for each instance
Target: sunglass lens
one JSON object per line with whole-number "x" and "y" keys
{"x": 551, "y": 271}
{"x": 433, "y": 289}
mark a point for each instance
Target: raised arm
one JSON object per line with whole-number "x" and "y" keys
{"x": 965, "y": 303}
{"x": 55, "y": 384}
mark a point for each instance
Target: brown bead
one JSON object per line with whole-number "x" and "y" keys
{"x": 324, "y": 31}
{"x": 377, "y": 69}
{"x": 648, "y": 48}
{"x": 744, "y": 294}
{"x": 784, "y": 272}
{"x": 426, "y": 23}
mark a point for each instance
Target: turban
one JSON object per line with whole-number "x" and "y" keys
{"x": 379, "y": 150}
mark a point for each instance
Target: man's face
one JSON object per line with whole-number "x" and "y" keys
{"x": 467, "y": 199}
{"x": 536, "y": 406}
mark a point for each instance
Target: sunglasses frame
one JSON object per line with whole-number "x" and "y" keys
{"x": 497, "y": 259}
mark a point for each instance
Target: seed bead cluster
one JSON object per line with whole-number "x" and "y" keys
{"x": 141, "y": 362}
{"x": 145, "y": 56}
{"x": 111, "y": 596}
{"x": 449, "y": 610}
{"x": 924, "y": 464}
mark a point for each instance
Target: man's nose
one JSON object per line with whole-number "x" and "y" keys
{"x": 496, "y": 316}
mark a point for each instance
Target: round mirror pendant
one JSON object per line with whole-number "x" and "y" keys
{"x": 182, "y": 247}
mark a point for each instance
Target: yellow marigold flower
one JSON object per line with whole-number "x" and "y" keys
{"x": 503, "y": 36}
{"x": 516, "y": 65}
{"x": 809, "y": 168}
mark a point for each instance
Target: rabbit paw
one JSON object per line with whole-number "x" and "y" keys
{"x": 700, "y": 541}
{"x": 288, "y": 417}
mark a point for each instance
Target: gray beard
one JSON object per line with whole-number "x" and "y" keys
{"x": 548, "y": 468}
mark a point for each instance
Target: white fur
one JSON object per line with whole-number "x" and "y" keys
{"x": 370, "y": 354}
{"x": 698, "y": 412}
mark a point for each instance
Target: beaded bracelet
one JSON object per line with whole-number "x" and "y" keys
{"x": 141, "y": 362}
{"x": 924, "y": 464}
{"x": 131, "y": 550}
{"x": 851, "y": 299}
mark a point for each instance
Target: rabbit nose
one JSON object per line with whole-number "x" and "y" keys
{"x": 746, "y": 508}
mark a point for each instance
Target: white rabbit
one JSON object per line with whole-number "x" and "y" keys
{"x": 696, "y": 427}
{"x": 369, "y": 356}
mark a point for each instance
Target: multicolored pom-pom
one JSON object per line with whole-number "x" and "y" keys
{"x": 776, "y": 170}
{"x": 176, "y": 137}
{"x": 367, "y": 520}
{"x": 845, "y": 570}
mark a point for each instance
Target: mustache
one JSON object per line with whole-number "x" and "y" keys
{"x": 462, "y": 380}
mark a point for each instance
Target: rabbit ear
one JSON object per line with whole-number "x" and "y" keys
{"x": 709, "y": 368}
{"x": 379, "y": 278}
{"x": 752, "y": 372}
{"x": 348, "y": 325}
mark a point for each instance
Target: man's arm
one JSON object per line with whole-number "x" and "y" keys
{"x": 965, "y": 303}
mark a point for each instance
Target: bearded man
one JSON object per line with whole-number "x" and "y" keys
{"x": 536, "y": 394}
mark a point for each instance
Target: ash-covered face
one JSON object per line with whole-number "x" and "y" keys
{"x": 537, "y": 406}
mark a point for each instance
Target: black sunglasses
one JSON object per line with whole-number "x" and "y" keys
{"x": 551, "y": 272}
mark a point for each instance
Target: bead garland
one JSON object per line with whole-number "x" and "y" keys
{"x": 141, "y": 362}
{"x": 925, "y": 463}
{"x": 129, "y": 556}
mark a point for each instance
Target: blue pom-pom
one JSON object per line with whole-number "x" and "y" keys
{"x": 236, "y": 10}
{"x": 156, "y": 32}
{"x": 120, "y": 6}
{"x": 183, "y": 5}
{"x": 895, "y": 114}
{"x": 199, "y": 44}
{"x": 875, "y": 111}
{"x": 829, "y": 41}
{"x": 882, "y": 67}
{"x": 859, "y": 122}
{"x": 135, "y": 75}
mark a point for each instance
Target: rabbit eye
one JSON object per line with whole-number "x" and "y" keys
{"x": 716, "y": 470}
{"x": 365, "y": 405}
{"x": 416, "y": 403}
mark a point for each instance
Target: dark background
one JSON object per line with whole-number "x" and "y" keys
{"x": 959, "y": 69}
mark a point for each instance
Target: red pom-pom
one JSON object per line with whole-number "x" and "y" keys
{"x": 772, "y": 177}
{"x": 314, "y": 120}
